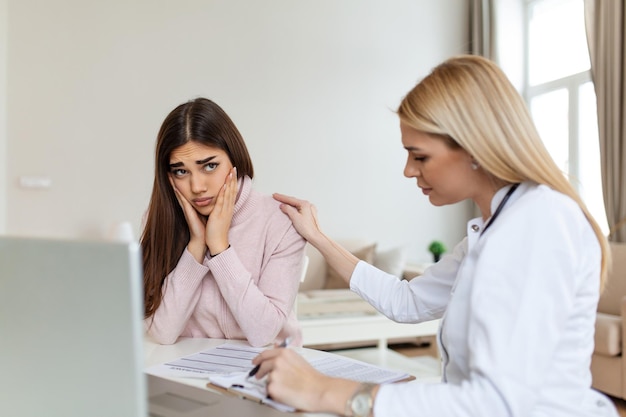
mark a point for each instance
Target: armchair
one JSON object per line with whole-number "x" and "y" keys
{"x": 608, "y": 363}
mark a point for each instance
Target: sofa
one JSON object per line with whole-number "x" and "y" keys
{"x": 608, "y": 363}
{"x": 324, "y": 296}
{"x": 324, "y": 292}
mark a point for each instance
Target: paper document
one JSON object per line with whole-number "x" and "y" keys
{"x": 228, "y": 366}
{"x": 342, "y": 367}
{"x": 232, "y": 358}
{"x": 225, "y": 358}
{"x": 333, "y": 365}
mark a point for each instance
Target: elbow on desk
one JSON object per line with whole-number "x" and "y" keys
{"x": 264, "y": 337}
{"x": 260, "y": 341}
{"x": 162, "y": 338}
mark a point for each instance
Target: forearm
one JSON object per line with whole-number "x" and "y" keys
{"x": 271, "y": 298}
{"x": 179, "y": 298}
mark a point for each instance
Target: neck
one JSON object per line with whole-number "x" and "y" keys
{"x": 484, "y": 200}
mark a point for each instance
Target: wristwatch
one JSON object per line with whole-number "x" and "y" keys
{"x": 362, "y": 401}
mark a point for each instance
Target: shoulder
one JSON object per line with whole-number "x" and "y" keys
{"x": 254, "y": 205}
{"x": 265, "y": 202}
{"x": 276, "y": 224}
{"x": 545, "y": 204}
{"x": 539, "y": 212}
{"x": 267, "y": 210}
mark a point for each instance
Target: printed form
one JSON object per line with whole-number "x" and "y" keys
{"x": 228, "y": 365}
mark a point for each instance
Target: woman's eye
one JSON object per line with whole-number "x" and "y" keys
{"x": 210, "y": 166}
{"x": 420, "y": 158}
{"x": 178, "y": 172}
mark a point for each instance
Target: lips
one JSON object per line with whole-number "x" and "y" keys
{"x": 202, "y": 202}
{"x": 425, "y": 190}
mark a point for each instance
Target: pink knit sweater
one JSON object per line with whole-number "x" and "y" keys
{"x": 247, "y": 291}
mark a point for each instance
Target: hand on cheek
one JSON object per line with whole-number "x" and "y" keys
{"x": 221, "y": 216}
{"x": 196, "y": 224}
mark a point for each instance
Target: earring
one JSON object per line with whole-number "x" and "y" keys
{"x": 475, "y": 165}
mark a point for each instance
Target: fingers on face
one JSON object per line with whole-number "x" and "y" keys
{"x": 232, "y": 188}
{"x": 228, "y": 193}
{"x": 177, "y": 192}
{"x": 172, "y": 183}
{"x": 181, "y": 199}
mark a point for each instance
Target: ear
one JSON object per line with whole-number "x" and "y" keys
{"x": 472, "y": 162}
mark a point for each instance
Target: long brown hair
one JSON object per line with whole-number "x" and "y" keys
{"x": 166, "y": 233}
{"x": 470, "y": 100}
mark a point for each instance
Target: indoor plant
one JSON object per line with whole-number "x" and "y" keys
{"x": 437, "y": 248}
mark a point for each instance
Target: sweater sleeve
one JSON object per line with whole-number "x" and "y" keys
{"x": 180, "y": 296}
{"x": 261, "y": 307}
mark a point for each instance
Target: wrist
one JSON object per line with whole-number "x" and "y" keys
{"x": 220, "y": 250}
{"x": 197, "y": 250}
{"x": 334, "y": 395}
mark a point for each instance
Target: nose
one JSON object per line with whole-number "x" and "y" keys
{"x": 197, "y": 184}
{"x": 411, "y": 170}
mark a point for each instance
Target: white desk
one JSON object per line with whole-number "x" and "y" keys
{"x": 155, "y": 354}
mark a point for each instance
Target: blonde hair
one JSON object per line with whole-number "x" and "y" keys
{"x": 469, "y": 100}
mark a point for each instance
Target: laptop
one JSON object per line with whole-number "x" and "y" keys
{"x": 71, "y": 337}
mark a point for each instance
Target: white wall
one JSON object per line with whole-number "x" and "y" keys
{"x": 3, "y": 114}
{"x": 311, "y": 84}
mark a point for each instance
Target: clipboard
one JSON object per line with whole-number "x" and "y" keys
{"x": 232, "y": 392}
{"x": 238, "y": 384}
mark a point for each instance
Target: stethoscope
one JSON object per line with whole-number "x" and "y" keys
{"x": 499, "y": 208}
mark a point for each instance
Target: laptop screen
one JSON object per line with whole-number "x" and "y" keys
{"x": 71, "y": 335}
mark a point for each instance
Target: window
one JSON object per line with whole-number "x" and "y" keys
{"x": 560, "y": 94}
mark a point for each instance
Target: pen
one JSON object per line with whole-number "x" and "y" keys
{"x": 254, "y": 370}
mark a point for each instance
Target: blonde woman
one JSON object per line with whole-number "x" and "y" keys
{"x": 517, "y": 297}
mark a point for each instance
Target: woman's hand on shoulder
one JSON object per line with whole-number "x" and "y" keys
{"x": 303, "y": 215}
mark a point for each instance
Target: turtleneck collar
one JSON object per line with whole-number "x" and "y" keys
{"x": 241, "y": 205}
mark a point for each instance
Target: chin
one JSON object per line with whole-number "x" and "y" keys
{"x": 434, "y": 201}
{"x": 438, "y": 202}
{"x": 205, "y": 211}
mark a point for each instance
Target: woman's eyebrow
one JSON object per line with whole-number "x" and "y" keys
{"x": 200, "y": 162}
{"x": 412, "y": 149}
{"x": 204, "y": 161}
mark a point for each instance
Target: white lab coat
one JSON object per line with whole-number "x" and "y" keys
{"x": 518, "y": 310}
